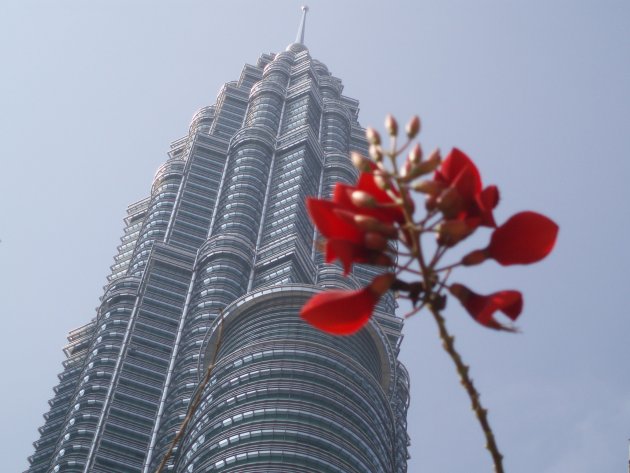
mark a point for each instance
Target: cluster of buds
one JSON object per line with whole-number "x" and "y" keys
{"x": 360, "y": 221}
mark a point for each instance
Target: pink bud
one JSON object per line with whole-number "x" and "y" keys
{"x": 406, "y": 171}
{"x": 391, "y": 125}
{"x": 415, "y": 155}
{"x": 431, "y": 163}
{"x": 375, "y": 153}
{"x": 372, "y": 136}
{"x": 375, "y": 241}
{"x": 413, "y": 127}
{"x": 428, "y": 187}
{"x": 360, "y": 162}
{"x": 381, "y": 181}
{"x": 449, "y": 202}
{"x": 431, "y": 203}
{"x": 475, "y": 257}
{"x": 372, "y": 224}
{"x": 363, "y": 199}
{"x": 381, "y": 284}
{"x": 452, "y": 232}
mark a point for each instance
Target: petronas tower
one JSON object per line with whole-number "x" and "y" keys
{"x": 222, "y": 252}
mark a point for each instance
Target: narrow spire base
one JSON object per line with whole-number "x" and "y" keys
{"x": 300, "y": 34}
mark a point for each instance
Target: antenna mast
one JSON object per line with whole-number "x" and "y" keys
{"x": 300, "y": 35}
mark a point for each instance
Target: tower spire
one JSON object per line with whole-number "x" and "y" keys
{"x": 300, "y": 34}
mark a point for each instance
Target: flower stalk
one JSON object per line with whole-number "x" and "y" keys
{"x": 359, "y": 221}
{"x": 448, "y": 343}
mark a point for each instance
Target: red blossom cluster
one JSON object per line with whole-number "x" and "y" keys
{"x": 360, "y": 221}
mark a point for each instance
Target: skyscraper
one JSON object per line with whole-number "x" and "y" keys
{"x": 224, "y": 236}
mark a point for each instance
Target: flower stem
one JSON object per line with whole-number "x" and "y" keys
{"x": 196, "y": 401}
{"x": 448, "y": 342}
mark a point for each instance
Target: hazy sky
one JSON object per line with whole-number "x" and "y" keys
{"x": 537, "y": 92}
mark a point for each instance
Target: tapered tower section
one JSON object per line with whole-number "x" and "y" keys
{"x": 225, "y": 231}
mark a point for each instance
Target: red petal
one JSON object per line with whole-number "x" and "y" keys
{"x": 459, "y": 173}
{"x": 329, "y": 223}
{"x": 345, "y": 312}
{"x": 509, "y": 302}
{"x": 486, "y": 201}
{"x": 329, "y": 311}
{"x": 525, "y": 238}
{"x": 483, "y": 308}
{"x": 367, "y": 184}
{"x": 341, "y": 195}
{"x": 349, "y": 253}
{"x": 489, "y": 197}
{"x": 457, "y": 165}
{"x": 343, "y": 250}
{"x": 468, "y": 183}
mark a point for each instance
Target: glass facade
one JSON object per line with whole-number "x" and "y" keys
{"x": 225, "y": 231}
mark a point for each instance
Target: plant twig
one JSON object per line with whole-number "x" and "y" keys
{"x": 448, "y": 342}
{"x": 196, "y": 400}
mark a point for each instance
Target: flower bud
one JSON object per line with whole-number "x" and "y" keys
{"x": 475, "y": 257}
{"x": 375, "y": 153}
{"x": 428, "y": 187}
{"x": 369, "y": 223}
{"x": 363, "y": 199}
{"x": 415, "y": 155}
{"x": 431, "y": 203}
{"x": 372, "y": 136}
{"x": 360, "y": 162}
{"x": 380, "y": 259}
{"x": 431, "y": 163}
{"x": 345, "y": 215}
{"x": 406, "y": 171}
{"x": 381, "y": 181}
{"x": 460, "y": 291}
{"x": 449, "y": 202}
{"x": 374, "y": 241}
{"x": 414, "y": 166}
{"x": 413, "y": 127}
{"x": 452, "y": 232}
{"x": 391, "y": 125}
{"x": 366, "y": 222}
{"x": 381, "y": 284}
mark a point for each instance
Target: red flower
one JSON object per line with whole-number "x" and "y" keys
{"x": 346, "y": 239}
{"x": 482, "y": 308}
{"x": 345, "y": 312}
{"x": 525, "y": 238}
{"x": 356, "y": 234}
{"x": 458, "y": 170}
{"x": 465, "y": 198}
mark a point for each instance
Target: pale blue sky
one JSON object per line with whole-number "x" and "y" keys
{"x": 537, "y": 92}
